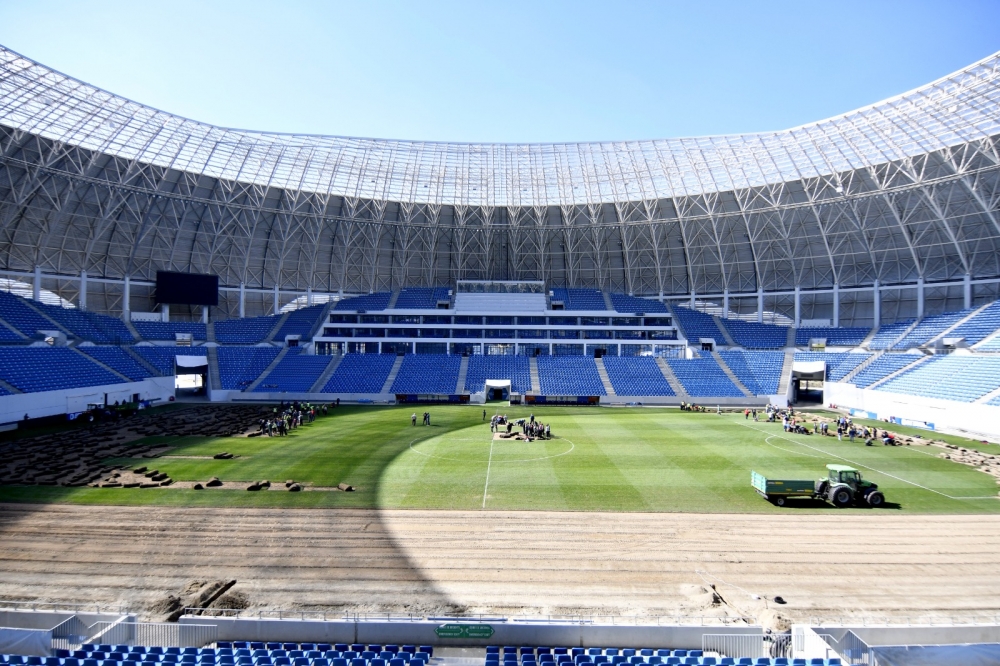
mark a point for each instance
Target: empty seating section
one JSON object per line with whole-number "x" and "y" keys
{"x": 248, "y": 331}
{"x": 8, "y": 335}
{"x": 420, "y": 298}
{"x": 88, "y": 325}
{"x": 162, "y": 358}
{"x": 759, "y": 371}
{"x": 990, "y": 345}
{"x": 929, "y": 328}
{"x": 15, "y": 311}
{"x": 697, "y": 325}
{"x": 882, "y": 367}
{"x": 118, "y": 359}
{"x": 595, "y": 656}
{"x": 360, "y": 373}
{"x": 569, "y": 375}
{"x": 296, "y": 372}
{"x": 962, "y": 378}
{"x": 427, "y": 373}
{"x": 979, "y": 327}
{"x": 753, "y": 335}
{"x": 300, "y": 322}
{"x": 580, "y": 299}
{"x": 237, "y": 653}
{"x": 241, "y": 366}
{"x": 515, "y": 368}
{"x": 888, "y": 334}
{"x": 843, "y": 367}
{"x": 636, "y": 375}
{"x": 376, "y": 301}
{"x": 995, "y": 401}
{"x": 167, "y": 330}
{"x": 631, "y": 304}
{"x": 34, "y": 369}
{"x": 703, "y": 378}
{"x": 835, "y": 337}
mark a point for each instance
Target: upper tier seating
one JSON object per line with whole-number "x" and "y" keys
{"x": 835, "y": 337}
{"x": 979, "y": 327}
{"x": 991, "y": 345}
{"x": 962, "y": 378}
{"x": 569, "y": 375}
{"x": 162, "y": 358}
{"x": 887, "y": 334}
{"x": 118, "y": 359}
{"x": 882, "y": 367}
{"x": 580, "y": 299}
{"x": 427, "y": 373}
{"x": 703, "y": 378}
{"x": 34, "y": 369}
{"x": 838, "y": 364}
{"x": 88, "y": 325}
{"x": 369, "y": 303}
{"x": 241, "y": 366}
{"x": 759, "y": 371}
{"x": 15, "y": 311}
{"x": 515, "y": 368}
{"x": 296, "y": 372}
{"x": 753, "y": 335}
{"x": 636, "y": 375}
{"x": 929, "y": 328}
{"x": 631, "y": 304}
{"x": 246, "y": 331}
{"x": 167, "y": 330}
{"x": 360, "y": 373}
{"x": 300, "y": 322}
{"x": 695, "y": 325}
{"x": 995, "y": 401}
{"x": 7, "y": 335}
{"x": 420, "y": 298}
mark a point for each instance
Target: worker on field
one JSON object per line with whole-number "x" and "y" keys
{"x": 413, "y": 419}
{"x": 484, "y": 414}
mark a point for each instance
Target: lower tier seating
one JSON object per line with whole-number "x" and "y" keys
{"x": 697, "y": 325}
{"x": 515, "y": 368}
{"x": 753, "y": 335}
{"x": 427, "y": 373}
{"x": 119, "y": 360}
{"x": 296, "y": 373}
{"x": 360, "y": 373}
{"x": 882, "y": 367}
{"x": 703, "y": 378}
{"x": 569, "y": 375}
{"x": 239, "y": 367}
{"x": 759, "y": 371}
{"x": 962, "y": 378}
{"x": 33, "y": 369}
{"x": 636, "y": 375}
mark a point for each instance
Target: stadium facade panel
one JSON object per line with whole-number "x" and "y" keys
{"x": 903, "y": 192}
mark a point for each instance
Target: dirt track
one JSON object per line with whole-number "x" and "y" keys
{"x": 507, "y": 562}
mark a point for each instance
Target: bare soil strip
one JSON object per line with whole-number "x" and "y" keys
{"x": 824, "y": 566}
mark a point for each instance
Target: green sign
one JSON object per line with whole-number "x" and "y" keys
{"x": 464, "y": 631}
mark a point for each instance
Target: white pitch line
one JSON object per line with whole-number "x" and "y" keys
{"x": 489, "y": 463}
{"x": 878, "y": 471}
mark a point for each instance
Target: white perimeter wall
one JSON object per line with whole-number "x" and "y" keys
{"x": 49, "y": 403}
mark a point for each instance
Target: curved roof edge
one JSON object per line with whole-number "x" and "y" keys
{"x": 959, "y": 108}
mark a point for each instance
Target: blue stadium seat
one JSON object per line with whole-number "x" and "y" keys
{"x": 929, "y": 328}
{"x": 636, "y": 376}
{"x": 300, "y": 322}
{"x": 33, "y": 369}
{"x": 569, "y": 375}
{"x": 117, "y": 359}
{"x": 962, "y": 378}
{"x": 369, "y": 303}
{"x": 696, "y": 325}
{"x": 759, "y": 371}
{"x": 245, "y": 331}
{"x": 427, "y": 373}
{"x": 296, "y": 372}
{"x": 167, "y": 330}
{"x": 754, "y": 335}
{"x": 850, "y": 336}
{"x": 515, "y": 368}
{"x": 241, "y": 366}
{"x": 630, "y": 304}
{"x": 360, "y": 373}
{"x": 703, "y": 378}
{"x": 882, "y": 367}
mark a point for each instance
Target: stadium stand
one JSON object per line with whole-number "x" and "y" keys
{"x": 838, "y": 364}
{"x": 882, "y": 367}
{"x": 596, "y": 656}
{"x": 580, "y": 299}
{"x": 569, "y": 375}
{"x": 88, "y": 325}
{"x": 888, "y": 333}
{"x": 929, "y": 328}
{"x": 703, "y": 378}
{"x": 636, "y": 375}
{"x": 420, "y": 298}
{"x": 759, "y": 371}
{"x": 631, "y": 304}
{"x": 979, "y": 327}
{"x": 33, "y": 369}
{"x": 236, "y": 653}
{"x": 695, "y": 325}
{"x": 427, "y": 373}
{"x": 369, "y": 303}
{"x": 835, "y": 337}
{"x": 8, "y": 335}
{"x": 15, "y": 311}
{"x": 162, "y": 358}
{"x": 239, "y": 367}
{"x": 119, "y": 360}
{"x": 753, "y": 335}
{"x": 360, "y": 373}
{"x": 990, "y": 345}
{"x": 248, "y": 331}
{"x": 515, "y": 368}
{"x": 962, "y": 378}
{"x": 167, "y": 330}
{"x": 300, "y": 322}
{"x": 296, "y": 372}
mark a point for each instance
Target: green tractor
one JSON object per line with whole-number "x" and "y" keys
{"x": 843, "y": 486}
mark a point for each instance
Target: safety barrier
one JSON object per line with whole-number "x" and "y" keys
{"x": 165, "y": 634}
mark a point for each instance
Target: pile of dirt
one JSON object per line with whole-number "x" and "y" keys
{"x": 198, "y": 594}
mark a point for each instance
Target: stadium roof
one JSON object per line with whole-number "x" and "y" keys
{"x": 957, "y": 109}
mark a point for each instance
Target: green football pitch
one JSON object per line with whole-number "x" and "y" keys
{"x": 600, "y": 459}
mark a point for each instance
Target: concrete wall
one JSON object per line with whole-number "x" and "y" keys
{"x": 43, "y": 619}
{"x": 710, "y": 403}
{"x": 240, "y": 396}
{"x": 421, "y": 632}
{"x": 50, "y": 403}
{"x": 918, "y": 634}
{"x": 973, "y": 419}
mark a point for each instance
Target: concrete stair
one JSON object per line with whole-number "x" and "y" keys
{"x": 868, "y": 338}
{"x": 393, "y": 299}
{"x": 463, "y": 372}
{"x": 725, "y": 331}
{"x": 984, "y": 341}
{"x": 210, "y": 332}
{"x": 900, "y": 371}
{"x": 14, "y": 330}
{"x": 944, "y": 334}
{"x": 322, "y": 319}
{"x": 324, "y": 377}
{"x": 277, "y": 326}
{"x": 214, "y": 378}
{"x": 142, "y": 361}
{"x": 106, "y": 367}
{"x": 387, "y": 387}
{"x": 607, "y": 301}
{"x": 603, "y": 372}
{"x": 536, "y": 382}
{"x": 786, "y": 371}
{"x": 732, "y": 376}
{"x": 864, "y": 364}
{"x": 274, "y": 364}
{"x": 55, "y": 325}
{"x": 790, "y": 338}
{"x": 989, "y": 396}
{"x": 905, "y": 333}
{"x": 671, "y": 378}
{"x": 10, "y": 387}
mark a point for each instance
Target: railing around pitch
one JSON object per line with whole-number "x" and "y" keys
{"x": 166, "y": 634}
{"x": 747, "y": 645}
{"x": 851, "y": 648}
{"x": 70, "y": 634}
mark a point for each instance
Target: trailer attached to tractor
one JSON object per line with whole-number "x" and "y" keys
{"x": 843, "y": 486}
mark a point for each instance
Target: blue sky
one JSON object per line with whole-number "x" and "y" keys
{"x": 504, "y": 71}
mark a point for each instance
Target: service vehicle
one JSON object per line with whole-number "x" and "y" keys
{"x": 842, "y": 486}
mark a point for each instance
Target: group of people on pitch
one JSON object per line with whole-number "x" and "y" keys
{"x": 530, "y": 428}
{"x": 286, "y": 418}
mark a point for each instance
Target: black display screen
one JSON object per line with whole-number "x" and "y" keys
{"x": 187, "y": 288}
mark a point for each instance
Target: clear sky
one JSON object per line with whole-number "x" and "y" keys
{"x": 505, "y": 71}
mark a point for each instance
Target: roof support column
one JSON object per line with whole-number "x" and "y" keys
{"x": 725, "y": 304}
{"x": 204, "y": 314}
{"x": 877, "y": 298}
{"x": 309, "y": 296}
{"x": 798, "y": 306}
{"x": 693, "y": 295}
{"x": 82, "y": 300}
{"x": 967, "y": 291}
{"x": 760, "y": 305}
{"x": 243, "y": 300}
{"x": 275, "y": 300}
{"x": 836, "y": 305}
{"x": 36, "y": 285}
{"x": 920, "y": 298}
{"x": 126, "y": 299}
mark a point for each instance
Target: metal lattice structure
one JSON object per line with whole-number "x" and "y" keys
{"x": 904, "y": 190}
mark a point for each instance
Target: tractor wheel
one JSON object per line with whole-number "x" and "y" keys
{"x": 840, "y": 497}
{"x": 875, "y": 499}
{"x": 779, "y": 501}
